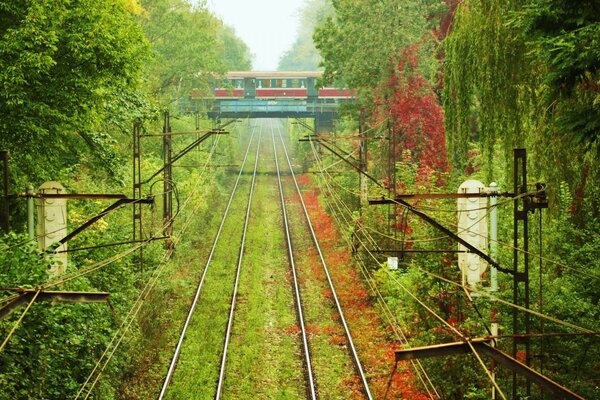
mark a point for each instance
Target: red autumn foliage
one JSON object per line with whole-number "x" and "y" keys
{"x": 371, "y": 335}
{"x": 445, "y": 25}
{"x": 418, "y": 119}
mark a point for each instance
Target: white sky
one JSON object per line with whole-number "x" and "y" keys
{"x": 267, "y": 26}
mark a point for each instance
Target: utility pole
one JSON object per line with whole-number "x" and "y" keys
{"x": 363, "y": 163}
{"x": 521, "y": 321}
{"x": 138, "y": 232}
{"x": 392, "y": 185}
{"x": 5, "y": 215}
{"x": 167, "y": 176}
{"x": 493, "y": 243}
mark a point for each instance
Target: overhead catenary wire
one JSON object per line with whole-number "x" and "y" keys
{"x": 457, "y": 332}
{"x": 136, "y": 307}
{"x": 327, "y": 274}
{"x": 518, "y": 196}
{"x": 389, "y": 315}
{"x": 495, "y": 298}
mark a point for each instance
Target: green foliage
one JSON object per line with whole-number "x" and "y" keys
{"x": 566, "y": 40}
{"x": 20, "y": 264}
{"x": 190, "y": 46}
{"x": 524, "y": 74}
{"x": 75, "y": 76}
{"x": 54, "y": 336}
{"x": 234, "y": 53}
{"x": 63, "y": 65}
{"x": 303, "y": 55}
{"x": 487, "y": 95}
{"x": 362, "y": 42}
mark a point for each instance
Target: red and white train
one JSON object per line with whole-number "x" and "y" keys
{"x": 277, "y": 85}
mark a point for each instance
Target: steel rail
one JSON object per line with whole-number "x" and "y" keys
{"x": 177, "y": 351}
{"x": 237, "y": 276}
{"x": 353, "y": 351}
{"x": 312, "y": 388}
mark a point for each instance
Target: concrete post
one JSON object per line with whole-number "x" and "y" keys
{"x": 52, "y": 223}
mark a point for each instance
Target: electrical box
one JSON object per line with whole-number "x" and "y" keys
{"x": 52, "y": 223}
{"x": 473, "y": 228}
{"x": 393, "y": 263}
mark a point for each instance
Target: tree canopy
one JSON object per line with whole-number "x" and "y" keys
{"x": 66, "y": 66}
{"x": 303, "y": 55}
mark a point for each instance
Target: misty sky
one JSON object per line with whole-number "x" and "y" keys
{"x": 267, "y": 26}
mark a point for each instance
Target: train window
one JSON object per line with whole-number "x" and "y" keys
{"x": 284, "y": 83}
{"x": 280, "y": 83}
{"x": 266, "y": 83}
{"x": 295, "y": 83}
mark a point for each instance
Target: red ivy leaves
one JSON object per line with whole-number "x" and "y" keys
{"x": 418, "y": 119}
{"x": 371, "y": 336}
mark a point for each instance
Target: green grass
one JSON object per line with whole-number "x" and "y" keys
{"x": 332, "y": 364}
{"x": 264, "y": 356}
{"x": 264, "y": 360}
{"x": 198, "y": 367}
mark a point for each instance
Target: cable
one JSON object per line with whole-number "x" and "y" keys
{"x": 387, "y": 311}
{"x": 380, "y": 299}
{"x": 331, "y": 285}
{"x": 18, "y": 322}
{"x": 136, "y": 307}
{"x": 459, "y": 333}
{"x": 512, "y": 305}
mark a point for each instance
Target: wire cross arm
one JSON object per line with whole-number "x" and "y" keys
{"x": 106, "y": 211}
{"x": 26, "y": 296}
{"x": 482, "y": 345}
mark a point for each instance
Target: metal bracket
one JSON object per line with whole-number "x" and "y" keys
{"x": 482, "y": 345}
{"x": 107, "y": 210}
{"x": 53, "y": 296}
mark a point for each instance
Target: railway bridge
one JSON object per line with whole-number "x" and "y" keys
{"x": 280, "y": 94}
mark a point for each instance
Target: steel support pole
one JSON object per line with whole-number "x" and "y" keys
{"x": 493, "y": 189}
{"x": 363, "y": 162}
{"x": 167, "y": 176}
{"x": 30, "y": 213}
{"x": 137, "y": 191}
{"x": 392, "y": 185}
{"x": 521, "y": 321}
{"x": 5, "y": 215}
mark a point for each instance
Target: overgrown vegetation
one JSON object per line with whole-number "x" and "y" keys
{"x": 446, "y": 90}
{"x": 75, "y": 77}
{"x": 507, "y": 74}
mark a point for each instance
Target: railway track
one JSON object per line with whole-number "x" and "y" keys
{"x": 229, "y": 363}
{"x": 357, "y": 363}
{"x": 310, "y": 379}
{"x": 237, "y": 276}
{"x": 200, "y": 286}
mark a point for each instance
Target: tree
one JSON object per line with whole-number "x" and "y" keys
{"x": 303, "y": 55}
{"x": 234, "y": 53}
{"x": 567, "y": 40}
{"x": 362, "y": 43}
{"x": 190, "y": 46}
{"x": 65, "y": 67}
{"x": 184, "y": 40}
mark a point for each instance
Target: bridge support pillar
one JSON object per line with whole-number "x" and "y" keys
{"x": 324, "y": 123}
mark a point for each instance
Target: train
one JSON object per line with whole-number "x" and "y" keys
{"x": 277, "y": 85}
